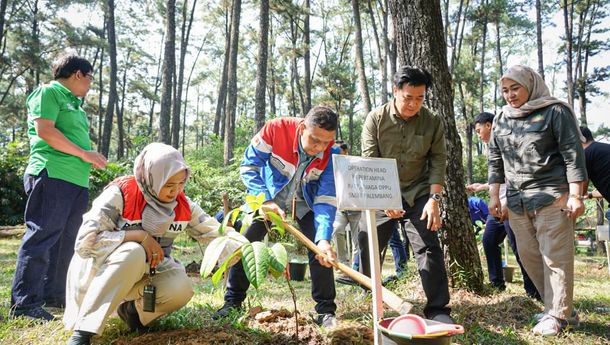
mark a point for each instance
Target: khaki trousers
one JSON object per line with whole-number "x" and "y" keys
{"x": 545, "y": 239}
{"x": 121, "y": 278}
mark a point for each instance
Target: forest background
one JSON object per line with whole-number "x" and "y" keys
{"x": 204, "y": 76}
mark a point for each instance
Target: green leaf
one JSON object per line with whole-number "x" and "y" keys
{"x": 212, "y": 254}
{"x": 255, "y": 259}
{"x": 217, "y": 276}
{"x": 278, "y": 223}
{"x": 246, "y": 222}
{"x": 278, "y": 259}
{"x": 255, "y": 202}
{"x": 234, "y": 215}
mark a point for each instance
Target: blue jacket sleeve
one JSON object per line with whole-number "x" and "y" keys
{"x": 255, "y": 159}
{"x": 325, "y": 203}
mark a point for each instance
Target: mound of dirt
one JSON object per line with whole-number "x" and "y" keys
{"x": 279, "y": 326}
{"x": 204, "y": 336}
{"x": 281, "y": 323}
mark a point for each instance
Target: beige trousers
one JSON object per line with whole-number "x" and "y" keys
{"x": 545, "y": 239}
{"x": 121, "y": 278}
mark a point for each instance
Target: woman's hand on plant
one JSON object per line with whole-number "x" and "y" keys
{"x": 270, "y": 206}
{"x": 329, "y": 254}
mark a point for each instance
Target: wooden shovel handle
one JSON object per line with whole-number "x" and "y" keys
{"x": 389, "y": 298}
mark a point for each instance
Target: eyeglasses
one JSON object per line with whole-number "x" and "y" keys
{"x": 88, "y": 76}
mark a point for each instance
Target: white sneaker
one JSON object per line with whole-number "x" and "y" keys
{"x": 573, "y": 320}
{"x": 549, "y": 326}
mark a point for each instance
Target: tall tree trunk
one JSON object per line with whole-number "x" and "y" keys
{"x": 169, "y": 65}
{"x": 184, "y": 40}
{"x": 307, "y": 58}
{"x": 36, "y": 48}
{"x": 100, "y": 106}
{"x": 261, "y": 71}
{"x": 199, "y": 122}
{"x": 386, "y": 47}
{"x": 587, "y": 19}
{"x": 362, "y": 83}
{"x": 568, "y": 15}
{"x": 222, "y": 88}
{"x": 3, "y": 4}
{"x": 499, "y": 47}
{"x": 231, "y": 115}
{"x": 296, "y": 79}
{"x": 112, "y": 92}
{"x": 186, "y": 98}
{"x": 539, "y": 38}
{"x": 90, "y": 116}
{"x": 119, "y": 111}
{"x": 272, "y": 93}
{"x": 392, "y": 55}
{"x": 151, "y": 112}
{"x": 482, "y": 66}
{"x": 419, "y": 34}
{"x": 381, "y": 49}
{"x": 454, "y": 41}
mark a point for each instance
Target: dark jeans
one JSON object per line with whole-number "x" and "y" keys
{"x": 53, "y": 214}
{"x": 400, "y": 249}
{"x": 428, "y": 255}
{"x": 494, "y": 235}
{"x": 322, "y": 280}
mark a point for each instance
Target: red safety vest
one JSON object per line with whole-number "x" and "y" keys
{"x": 134, "y": 203}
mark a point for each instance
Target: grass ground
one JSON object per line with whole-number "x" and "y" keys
{"x": 498, "y": 318}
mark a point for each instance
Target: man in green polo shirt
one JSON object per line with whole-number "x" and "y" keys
{"x": 56, "y": 182}
{"x": 405, "y": 130}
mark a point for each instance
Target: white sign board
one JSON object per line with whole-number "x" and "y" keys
{"x": 366, "y": 183}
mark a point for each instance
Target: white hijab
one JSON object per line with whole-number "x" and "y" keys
{"x": 152, "y": 168}
{"x": 539, "y": 95}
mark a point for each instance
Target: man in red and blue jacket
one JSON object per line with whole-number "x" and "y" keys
{"x": 290, "y": 162}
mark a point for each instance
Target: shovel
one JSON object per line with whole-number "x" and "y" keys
{"x": 389, "y": 298}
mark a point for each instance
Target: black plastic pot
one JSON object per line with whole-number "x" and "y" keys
{"x": 297, "y": 271}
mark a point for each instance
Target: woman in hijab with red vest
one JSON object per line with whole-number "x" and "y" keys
{"x": 124, "y": 246}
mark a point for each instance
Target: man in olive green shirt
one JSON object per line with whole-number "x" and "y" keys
{"x": 56, "y": 182}
{"x": 406, "y": 131}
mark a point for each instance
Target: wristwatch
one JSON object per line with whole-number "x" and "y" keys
{"x": 576, "y": 196}
{"x": 435, "y": 196}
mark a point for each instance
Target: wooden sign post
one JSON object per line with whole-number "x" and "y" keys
{"x": 368, "y": 184}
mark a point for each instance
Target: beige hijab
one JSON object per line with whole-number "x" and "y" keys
{"x": 152, "y": 168}
{"x": 539, "y": 95}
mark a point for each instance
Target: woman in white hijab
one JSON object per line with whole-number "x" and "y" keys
{"x": 536, "y": 149}
{"x": 124, "y": 244}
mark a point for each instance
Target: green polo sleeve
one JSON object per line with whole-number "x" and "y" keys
{"x": 43, "y": 104}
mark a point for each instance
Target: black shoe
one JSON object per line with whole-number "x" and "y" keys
{"x": 327, "y": 320}
{"x": 80, "y": 338}
{"x": 35, "y": 314}
{"x": 55, "y": 303}
{"x": 346, "y": 280}
{"x": 498, "y": 286}
{"x": 128, "y": 313}
{"x": 535, "y": 296}
{"x": 227, "y": 309}
{"x": 389, "y": 279}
